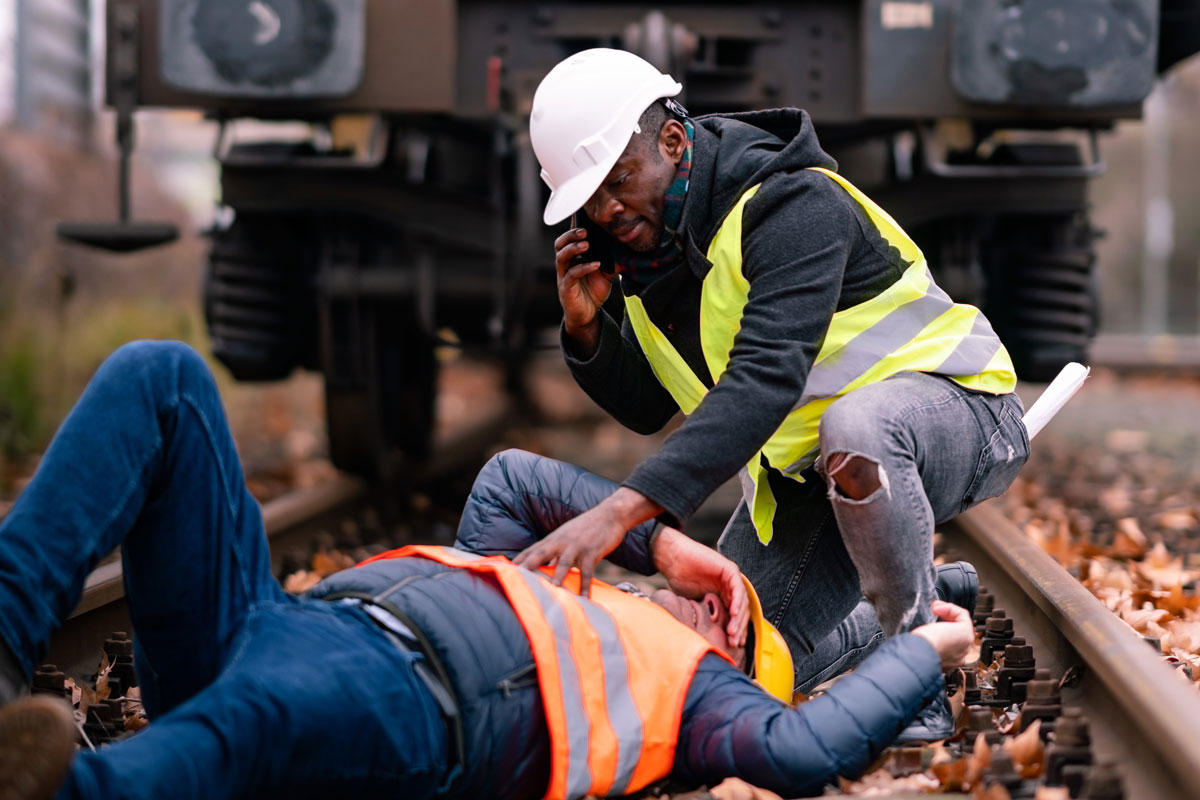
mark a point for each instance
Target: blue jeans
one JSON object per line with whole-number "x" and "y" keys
{"x": 938, "y": 449}
{"x": 246, "y": 686}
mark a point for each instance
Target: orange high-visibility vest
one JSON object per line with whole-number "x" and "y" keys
{"x": 613, "y": 673}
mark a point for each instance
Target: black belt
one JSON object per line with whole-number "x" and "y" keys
{"x": 431, "y": 671}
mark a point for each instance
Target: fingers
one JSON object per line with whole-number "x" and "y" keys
{"x": 561, "y": 568}
{"x": 567, "y": 247}
{"x": 579, "y": 271}
{"x": 585, "y": 578}
{"x": 739, "y": 608}
{"x": 949, "y": 612}
{"x": 567, "y": 237}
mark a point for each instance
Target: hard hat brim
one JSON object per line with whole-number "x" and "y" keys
{"x": 774, "y": 670}
{"x": 570, "y": 197}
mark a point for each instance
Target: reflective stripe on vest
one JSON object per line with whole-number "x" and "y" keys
{"x": 613, "y": 672}
{"x": 911, "y": 326}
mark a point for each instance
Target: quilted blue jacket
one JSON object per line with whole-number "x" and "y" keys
{"x": 730, "y": 727}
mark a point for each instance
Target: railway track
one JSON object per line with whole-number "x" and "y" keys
{"x": 1142, "y": 716}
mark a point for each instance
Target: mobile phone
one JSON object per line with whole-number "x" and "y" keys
{"x": 580, "y": 258}
{"x": 597, "y": 251}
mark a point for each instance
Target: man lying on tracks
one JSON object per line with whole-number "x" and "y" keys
{"x": 426, "y": 670}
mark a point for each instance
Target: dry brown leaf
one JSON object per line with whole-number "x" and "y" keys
{"x": 952, "y": 775}
{"x": 737, "y": 789}
{"x": 325, "y": 563}
{"x": 1055, "y": 539}
{"x": 1129, "y": 541}
{"x": 1141, "y": 618}
{"x": 994, "y": 792}
{"x": 87, "y": 698}
{"x": 958, "y": 706}
{"x": 1104, "y": 574}
{"x": 939, "y": 754}
{"x": 102, "y": 671}
{"x": 1115, "y": 500}
{"x": 977, "y": 762}
{"x": 1052, "y": 793}
{"x": 1007, "y": 720}
{"x": 1027, "y": 751}
{"x": 301, "y": 581}
{"x": 1182, "y": 635}
{"x": 1176, "y": 602}
{"x": 1164, "y": 573}
{"x": 1179, "y": 519}
{"x": 880, "y": 783}
{"x": 1126, "y": 442}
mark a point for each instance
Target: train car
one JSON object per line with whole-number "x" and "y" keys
{"x": 413, "y": 211}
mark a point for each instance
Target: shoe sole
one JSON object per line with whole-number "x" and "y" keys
{"x": 37, "y": 743}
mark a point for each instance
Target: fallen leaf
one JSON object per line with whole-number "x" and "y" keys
{"x": 325, "y": 563}
{"x": 1176, "y": 602}
{"x": 1127, "y": 442}
{"x": 1183, "y": 635}
{"x": 87, "y": 698}
{"x": 881, "y": 784}
{"x": 1176, "y": 519}
{"x": 958, "y": 711}
{"x": 1129, "y": 541}
{"x": 977, "y": 762}
{"x": 951, "y": 775}
{"x": 102, "y": 671}
{"x": 737, "y": 789}
{"x": 301, "y": 581}
{"x": 1027, "y": 751}
{"x": 1140, "y": 618}
{"x": 994, "y": 792}
{"x": 1052, "y": 793}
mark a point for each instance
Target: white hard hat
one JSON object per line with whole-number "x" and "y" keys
{"x": 584, "y": 113}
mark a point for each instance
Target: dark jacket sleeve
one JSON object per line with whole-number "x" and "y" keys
{"x": 519, "y": 498}
{"x": 618, "y": 378}
{"x": 798, "y": 233}
{"x": 732, "y": 728}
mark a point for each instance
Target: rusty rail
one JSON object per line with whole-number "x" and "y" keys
{"x": 1143, "y": 716}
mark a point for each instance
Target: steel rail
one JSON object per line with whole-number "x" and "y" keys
{"x": 1143, "y": 716}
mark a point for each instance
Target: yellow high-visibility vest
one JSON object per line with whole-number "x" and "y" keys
{"x": 911, "y": 326}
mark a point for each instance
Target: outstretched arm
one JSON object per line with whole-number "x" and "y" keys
{"x": 518, "y": 498}
{"x": 731, "y": 728}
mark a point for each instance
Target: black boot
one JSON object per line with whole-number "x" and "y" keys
{"x": 37, "y": 743}
{"x": 932, "y": 724}
{"x": 958, "y": 583}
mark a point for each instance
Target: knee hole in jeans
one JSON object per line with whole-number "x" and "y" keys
{"x": 854, "y": 476}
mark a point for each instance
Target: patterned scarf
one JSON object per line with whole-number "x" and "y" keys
{"x": 639, "y": 270}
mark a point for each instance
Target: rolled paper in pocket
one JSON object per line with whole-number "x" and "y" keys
{"x": 1061, "y": 389}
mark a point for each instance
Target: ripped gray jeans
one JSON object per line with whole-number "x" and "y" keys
{"x": 842, "y": 573}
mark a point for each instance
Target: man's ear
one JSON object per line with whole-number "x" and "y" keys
{"x": 673, "y": 140}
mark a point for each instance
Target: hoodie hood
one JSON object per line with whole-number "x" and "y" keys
{"x": 736, "y": 151}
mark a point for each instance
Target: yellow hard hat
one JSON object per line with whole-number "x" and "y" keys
{"x": 772, "y": 659}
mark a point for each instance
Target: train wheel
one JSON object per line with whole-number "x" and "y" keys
{"x": 380, "y": 392}
{"x": 1041, "y": 295}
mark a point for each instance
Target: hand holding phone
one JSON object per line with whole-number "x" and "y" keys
{"x": 583, "y": 282}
